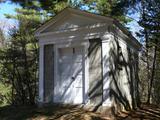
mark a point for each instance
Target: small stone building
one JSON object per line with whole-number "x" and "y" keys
{"x": 87, "y": 59}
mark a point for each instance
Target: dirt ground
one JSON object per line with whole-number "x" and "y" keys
{"x": 48, "y": 113}
{"x": 146, "y": 112}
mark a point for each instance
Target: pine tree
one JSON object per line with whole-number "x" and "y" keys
{"x": 115, "y": 8}
{"x": 19, "y": 58}
{"x": 150, "y": 22}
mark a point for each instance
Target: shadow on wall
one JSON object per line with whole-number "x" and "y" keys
{"x": 65, "y": 93}
{"x": 124, "y": 76}
{"x": 95, "y": 73}
{"x": 123, "y": 90}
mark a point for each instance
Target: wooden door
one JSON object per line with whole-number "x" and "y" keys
{"x": 70, "y": 72}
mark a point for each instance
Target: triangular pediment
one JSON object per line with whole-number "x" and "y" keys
{"x": 71, "y": 21}
{"x": 71, "y": 18}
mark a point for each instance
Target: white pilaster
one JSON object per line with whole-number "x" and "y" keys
{"x": 106, "y": 78}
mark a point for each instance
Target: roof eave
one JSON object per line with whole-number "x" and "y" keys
{"x": 126, "y": 32}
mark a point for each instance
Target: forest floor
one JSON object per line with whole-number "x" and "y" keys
{"x": 146, "y": 112}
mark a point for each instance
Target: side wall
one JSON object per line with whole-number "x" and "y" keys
{"x": 123, "y": 73}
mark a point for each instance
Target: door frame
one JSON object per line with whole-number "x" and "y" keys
{"x": 85, "y": 81}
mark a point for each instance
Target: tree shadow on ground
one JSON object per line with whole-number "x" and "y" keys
{"x": 66, "y": 112}
{"x": 145, "y": 112}
{"x": 54, "y": 112}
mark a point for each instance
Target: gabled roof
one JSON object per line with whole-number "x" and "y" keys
{"x": 68, "y": 10}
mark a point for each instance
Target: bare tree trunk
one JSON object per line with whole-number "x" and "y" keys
{"x": 147, "y": 60}
{"x": 152, "y": 74}
{"x": 146, "y": 47}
